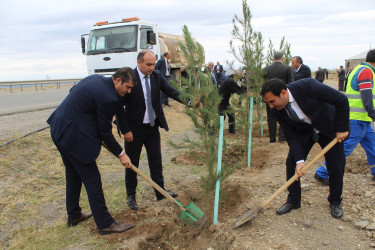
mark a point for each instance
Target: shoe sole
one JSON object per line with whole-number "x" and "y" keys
{"x": 106, "y": 233}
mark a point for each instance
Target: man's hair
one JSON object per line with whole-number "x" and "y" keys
{"x": 341, "y": 66}
{"x": 126, "y": 74}
{"x": 299, "y": 59}
{"x": 141, "y": 54}
{"x": 278, "y": 55}
{"x": 274, "y": 85}
{"x": 371, "y": 56}
{"x": 165, "y": 54}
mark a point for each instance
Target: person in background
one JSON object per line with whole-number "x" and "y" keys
{"x": 213, "y": 75}
{"x": 300, "y": 70}
{"x": 79, "y": 126}
{"x": 218, "y": 73}
{"x": 319, "y": 75}
{"x": 360, "y": 92}
{"x": 227, "y": 88}
{"x": 341, "y": 76}
{"x": 163, "y": 66}
{"x": 283, "y": 72}
{"x": 310, "y": 111}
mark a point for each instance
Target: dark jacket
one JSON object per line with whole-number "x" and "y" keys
{"x": 341, "y": 74}
{"x": 280, "y": 71}
{"x": 319, "y": 75}
{"x": 160, "y": 65}
{"x": 135, "y": 106}
{"x": 303, "y": 72}
{"x": 84, "y": 119}
{"x": 327, "y": 108}
{"x": 227, "y": 88}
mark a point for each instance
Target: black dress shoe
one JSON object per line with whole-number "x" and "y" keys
{"x": 83, "y": 217}
{"x": 234, "y": 132}
{"x": 116, "y": 227}
{"x": 132, "y": 203}
{"x": 336, "y": 211}
{"x": 321, "y": 180}
{"x": 287, "y": 207}
{"x": 160, "y": 197}
{"x": 272, "y": 140}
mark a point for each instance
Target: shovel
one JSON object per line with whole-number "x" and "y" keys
{"x": 191, "y": 214}
{"x": 253, "y": 212}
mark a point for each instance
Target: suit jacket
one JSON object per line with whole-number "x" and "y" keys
{"x": 280, "y": 71}
{"x": 84, "y": 119}
{"x": 161, "y": 66}
{"x": 303, "y": 72}
{"x": 327, "y": 108}
{"x": 319, "y": 75}
{"x": 341, "y": 74}
{"x": 227, "y": 88}
{"x": 218, "y": 74}
{"x": 135, "y": 105}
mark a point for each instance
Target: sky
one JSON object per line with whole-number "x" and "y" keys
{"x": 41, "y": 39}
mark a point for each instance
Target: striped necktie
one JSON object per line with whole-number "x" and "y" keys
{"x": 151, "y": 116}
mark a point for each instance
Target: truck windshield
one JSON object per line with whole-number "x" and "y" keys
{"x": 113, "y": 40}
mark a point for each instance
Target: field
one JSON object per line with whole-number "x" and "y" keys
{"x": 32, "y": 194}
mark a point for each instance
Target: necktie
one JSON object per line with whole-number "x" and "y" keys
{"x": 151, "y": 116}
{"x": 292, "y": 114}
{"x": 294, "y": 117}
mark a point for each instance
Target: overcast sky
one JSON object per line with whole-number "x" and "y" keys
{"x": 41, "y": 39}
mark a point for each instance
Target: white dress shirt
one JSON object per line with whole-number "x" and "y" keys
{"x": 143, "y": 81}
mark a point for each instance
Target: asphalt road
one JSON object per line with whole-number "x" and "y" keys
{"x": 28, "y": 101}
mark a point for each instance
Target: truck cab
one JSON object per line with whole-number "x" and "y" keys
{"x": 111, "y": 46}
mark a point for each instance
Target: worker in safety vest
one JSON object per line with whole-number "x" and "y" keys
{"x": 360, "y": 92}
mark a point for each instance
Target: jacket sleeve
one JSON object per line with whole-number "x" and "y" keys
{"x": 290, "y": 75}
{"x": 105, "y": 113}
{"x": 169, "y": 90}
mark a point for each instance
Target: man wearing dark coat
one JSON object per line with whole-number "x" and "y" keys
{"x": 300, "y": 70}
{"x": 79, "y": 126}
{"x": 319, "y": 75}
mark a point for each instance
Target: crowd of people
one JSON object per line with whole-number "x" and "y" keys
{"x": 307, "y": 110}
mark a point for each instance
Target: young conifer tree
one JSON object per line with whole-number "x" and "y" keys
{"x": 198, "y": 88}
{"x": 247, "y": 49}
{"x": 284, "y": 48}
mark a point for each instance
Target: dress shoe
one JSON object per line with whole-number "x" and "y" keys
{"x": 272, "y": 140}
{"x": 132, "y": 203}
{"x": 336, "y": 211}
{"x": 160, "y": 197}
{"x": 287, "y": 207}
{"x": 83, "y": 217}
{"x": 321, "y": 180}
{"x": 116, "y": 227}
{"x": 233, "y": 132}
{"x": 167, "y": 104}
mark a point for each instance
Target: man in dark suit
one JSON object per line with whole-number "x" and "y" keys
{"x": 165, "y": 69}
{"x": 300, "y": 70}
{"x": 309, "y": 112}
{"x": 227, "y": 88}
{"x": 218, "y": 73}
{"x": 341, "y": 76}
{"x": 78, "y": 127}
{"x": 283, "y": 72}
{"x": 140, "y": 125}
{"x": 319, "y": 75}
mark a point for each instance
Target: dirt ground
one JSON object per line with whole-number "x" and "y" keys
{"x": 311, "y": 227}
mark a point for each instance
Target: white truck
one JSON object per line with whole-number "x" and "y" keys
{"x": 111, "y": 46}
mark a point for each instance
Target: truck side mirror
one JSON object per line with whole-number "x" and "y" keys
{"x": 83, "y": 45}
{"x": 151, "y": 37}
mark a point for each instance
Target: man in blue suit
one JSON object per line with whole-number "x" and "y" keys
{"x": 79, "y": 126}
{"x": 140, "y": 125}
{"x": 300, "y": 70}
{"x": 308, "y": 112}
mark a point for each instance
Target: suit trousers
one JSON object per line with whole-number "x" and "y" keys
{"x": 150, "y": 137}
{"x": 335, "y": 159}
{"x": 76, "y": 173}
{"x": 272, "y": 126}
{"x": 341, "y": 85}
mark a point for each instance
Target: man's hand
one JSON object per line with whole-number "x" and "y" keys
{"x": 125, "y": 160}
{"x": 128, "y": 137}
{"x": 341, "y": 136}
{"x": 298, "y": 169}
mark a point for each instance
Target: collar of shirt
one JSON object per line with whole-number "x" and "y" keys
{"x": 297, "y": 109}
{"x": 298, "y": 68}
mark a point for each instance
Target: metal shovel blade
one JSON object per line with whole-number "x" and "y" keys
{"x": 194, "y": 216}
{"x": 247, "y": 216}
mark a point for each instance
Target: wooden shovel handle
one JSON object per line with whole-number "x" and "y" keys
{"x": 156, "y": 186}
{"x": 296, "y": 176}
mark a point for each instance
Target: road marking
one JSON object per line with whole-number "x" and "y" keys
{"x": 32, "y": 106}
